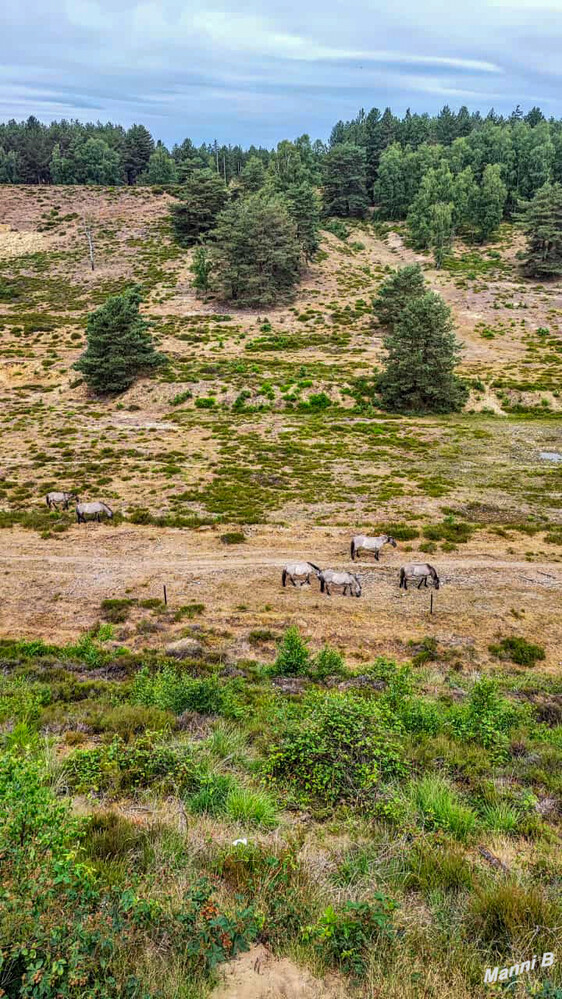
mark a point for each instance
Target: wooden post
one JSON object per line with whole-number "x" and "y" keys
{"x": 431, "y": 604}
{"x": 165, "y": 596}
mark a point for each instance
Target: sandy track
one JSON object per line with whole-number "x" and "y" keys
{"x": 53, "y": 589}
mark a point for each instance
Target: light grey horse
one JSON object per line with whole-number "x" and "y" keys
{"x": 361, "y": 542}
{"x": 54, "y": 499}
{"x": 92, "y": 511}
{"x": 415, "y": 571}
{"x": 349, "y": 582}
{"x": 299, "y": 573}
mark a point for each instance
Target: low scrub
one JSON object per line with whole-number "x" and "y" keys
{"x": 518, "y": 650}
{"x": 338, "y": 750}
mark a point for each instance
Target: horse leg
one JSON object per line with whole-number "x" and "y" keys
{"x": 420, "y": 584}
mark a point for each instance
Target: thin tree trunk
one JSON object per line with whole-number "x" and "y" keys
{"x": 89, "y": 237}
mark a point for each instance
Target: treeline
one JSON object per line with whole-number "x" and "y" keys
{"x": 69, "y": 152}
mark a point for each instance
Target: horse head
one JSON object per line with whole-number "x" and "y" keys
{"x": 358, "y": 589}
{"x": 391, "y": 541}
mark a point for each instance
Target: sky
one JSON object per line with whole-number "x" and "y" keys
{"x": 263, "y": 70}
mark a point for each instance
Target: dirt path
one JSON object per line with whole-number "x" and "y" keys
{"x": 54, "y": 589}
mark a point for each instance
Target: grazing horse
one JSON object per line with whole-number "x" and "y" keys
{"x": 349, "y": 582}
{"x": 299, "y": 573}
{"x": 95, "y": 511}
{"x": 418, "y": 570}
{"x": 53, "y": 500}
{"x": 361, "y": 542}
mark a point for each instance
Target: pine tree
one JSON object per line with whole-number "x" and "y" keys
{"x": 252, "y": 177}
{"x": 304, "y": 209}
{"x": 203, "y": 196}
{"x": 137, "y": 150}
{"x": 256, "y": 254}
{"x": 421, "y": 353}
{"x": 345, "y": 193}
{"x": 541, "y": 220}
{"x": 119, "y": 346}
{"x": 396, "y": 292}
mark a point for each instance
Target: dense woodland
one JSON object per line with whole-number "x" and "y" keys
{"x": 447, "y": 175}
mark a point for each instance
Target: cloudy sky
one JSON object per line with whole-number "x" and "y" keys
{"x": 262, "y": 70}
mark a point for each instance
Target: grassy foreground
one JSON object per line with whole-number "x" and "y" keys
{"x": 399, "y": 827}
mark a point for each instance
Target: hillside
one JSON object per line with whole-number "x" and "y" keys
{"x": 253, "y": 791}
{"x": 226, "y": 438}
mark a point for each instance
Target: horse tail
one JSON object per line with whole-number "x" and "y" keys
{"x": 353, "y": 549}
{"x": 284, "y": 577}
{"x": 322, "y": 583}
{"x": 402, "y": 578}
{"x": 47, "y": 502}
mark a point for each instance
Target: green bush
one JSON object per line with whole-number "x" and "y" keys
{"x": 486, "y": 717}
{"x": 116, "y": 610}
{"x": 346, "y": 937}
{"x": 121, "y": 767}
{"x": 293, "y": 656}
{"x": 518, "y": 650}
{"x": 338, "y": 750}
{"x": 172, "y": 690}
{"x": 456, "y": 532}
{"x": 233, "y": 538}
{"x": 328, "y": 662}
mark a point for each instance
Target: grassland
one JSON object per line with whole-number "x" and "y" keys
{"x": 257, "y": 444}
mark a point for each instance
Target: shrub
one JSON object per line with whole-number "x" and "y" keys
{"x": 337, "y": 751}
{"x": 120, "y": 767}
{"x": 116, "y": 610}
{"x": 188, "y": 611}
{"x": 127, "y": 720}
{"x": 449, "y": 530}
{"x": 233, "y": 538}
{"x": 486, "y": 718}
{"x": 518, "y": 650}
{"x": 293, "y": 656}
{"x": 328, "y": 662}
{"x": 172, "y": 690}
{"x": 345, "y": 937}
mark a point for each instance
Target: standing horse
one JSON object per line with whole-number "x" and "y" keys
{"x": 53, "y": 500}
{"x": 418, "y": 570}
{"x": 361, "y": 542}
{"x": 349, "y": 582}
{"x": 95, "y": 511}
{"x": 299, "y": 573}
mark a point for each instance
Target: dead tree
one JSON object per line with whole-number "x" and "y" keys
{"x": 89, "y": 237}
